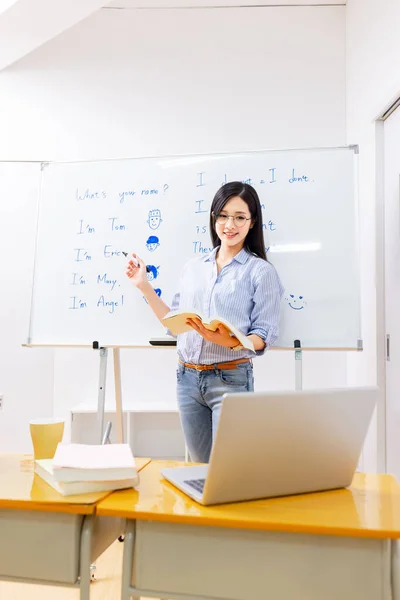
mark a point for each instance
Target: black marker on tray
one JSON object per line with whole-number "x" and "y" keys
{"x": 135, "y": 262}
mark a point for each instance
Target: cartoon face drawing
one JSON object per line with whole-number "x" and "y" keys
{"x": 152, "y": 273}
{"x": 152, "y": 243}
{"x": 296, "y": 302}
{"x": 154, "y": 219}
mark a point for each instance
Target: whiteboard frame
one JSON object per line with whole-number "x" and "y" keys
{"x": 352, "y": 147}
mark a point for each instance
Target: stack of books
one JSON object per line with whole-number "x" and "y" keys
{"x": 83, "y": 469}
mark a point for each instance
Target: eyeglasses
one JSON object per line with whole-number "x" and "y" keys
{"x": 239, "y": 220}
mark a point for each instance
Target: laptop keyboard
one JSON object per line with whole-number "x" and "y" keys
{"x": 197, "y": 484}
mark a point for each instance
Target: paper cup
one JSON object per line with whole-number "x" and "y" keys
{"x": 46, "y": 434}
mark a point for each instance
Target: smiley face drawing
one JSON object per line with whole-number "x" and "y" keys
{"x": 154, "y": 221}
{"x": 296, "y": 302}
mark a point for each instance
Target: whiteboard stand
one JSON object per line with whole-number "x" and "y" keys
{"x": 105, "y": 440}
{"x": 118, "y": 395}
{"x": 298, "y": 365}
{"x": 104, "y": 436}
{"x": 101, "y": 389}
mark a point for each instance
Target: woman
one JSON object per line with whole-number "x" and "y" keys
{"x": 237, "y": 283}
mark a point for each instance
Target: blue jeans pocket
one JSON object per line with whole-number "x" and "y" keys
{"x": 180, "y": 371}
{"x": 238, "y": 377}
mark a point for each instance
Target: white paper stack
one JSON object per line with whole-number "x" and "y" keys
{"x": 82, "y": 469}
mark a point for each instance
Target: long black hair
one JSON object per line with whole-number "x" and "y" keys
{"x": 254, "y": 241}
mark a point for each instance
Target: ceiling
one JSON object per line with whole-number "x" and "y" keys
{"x": 131, "y": 4}
{"x": 27, "y": 24}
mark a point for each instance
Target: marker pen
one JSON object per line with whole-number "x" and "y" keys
{"x": 135, "y": 262}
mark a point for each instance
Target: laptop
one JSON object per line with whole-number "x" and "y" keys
{"x": 281, "y": 443}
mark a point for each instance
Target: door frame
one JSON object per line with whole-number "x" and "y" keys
{"x": 380, "y": 294}
{"x": 380, "y": 280}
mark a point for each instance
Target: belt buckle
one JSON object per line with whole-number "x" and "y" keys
{"x": 202, "y": 367}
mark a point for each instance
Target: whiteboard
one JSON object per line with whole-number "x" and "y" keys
{"x": 92, "y": 212}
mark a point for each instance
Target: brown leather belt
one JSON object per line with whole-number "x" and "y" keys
{"x": 232, "y": 364}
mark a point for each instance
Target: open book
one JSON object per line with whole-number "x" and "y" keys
{"x": 175, "y": 320}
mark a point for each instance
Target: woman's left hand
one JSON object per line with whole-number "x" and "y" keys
{"x": 220, "y": 336}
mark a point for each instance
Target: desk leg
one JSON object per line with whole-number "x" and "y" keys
{"x": 86, "y": 543}
{"x": 395, "y": 569}
{"x": 127, "y": 562}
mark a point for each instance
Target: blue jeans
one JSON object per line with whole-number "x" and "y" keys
{"x": 199, "y": 396}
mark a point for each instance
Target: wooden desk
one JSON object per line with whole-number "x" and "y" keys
{"x": 335, "y": 545}
{"x": 45, "y": 537}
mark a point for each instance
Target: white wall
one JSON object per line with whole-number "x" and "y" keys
{"x": 373, "y": 81}
{"x": 26, "y": 376}
{"x": 156, "y": 82}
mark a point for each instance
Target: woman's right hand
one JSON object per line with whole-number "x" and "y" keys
{"x": 136, "y": 271}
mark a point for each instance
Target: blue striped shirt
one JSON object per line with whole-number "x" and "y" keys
{"x": 246, "y": 292}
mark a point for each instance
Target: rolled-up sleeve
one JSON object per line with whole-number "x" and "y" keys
{"x": 265, "y": 316}
{"x": 175, "y": 301}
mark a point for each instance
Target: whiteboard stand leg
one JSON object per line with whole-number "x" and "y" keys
{"x": 102, "y": 393}
{"x": 118, "y": 396}
{"x": 106, "y": 436}
{"x": 105, "y": 440}
{"x": 298, "y": 365}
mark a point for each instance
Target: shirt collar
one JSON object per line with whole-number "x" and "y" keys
{"x": 212, "y": 255}
{"x": 241, "y": 257}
